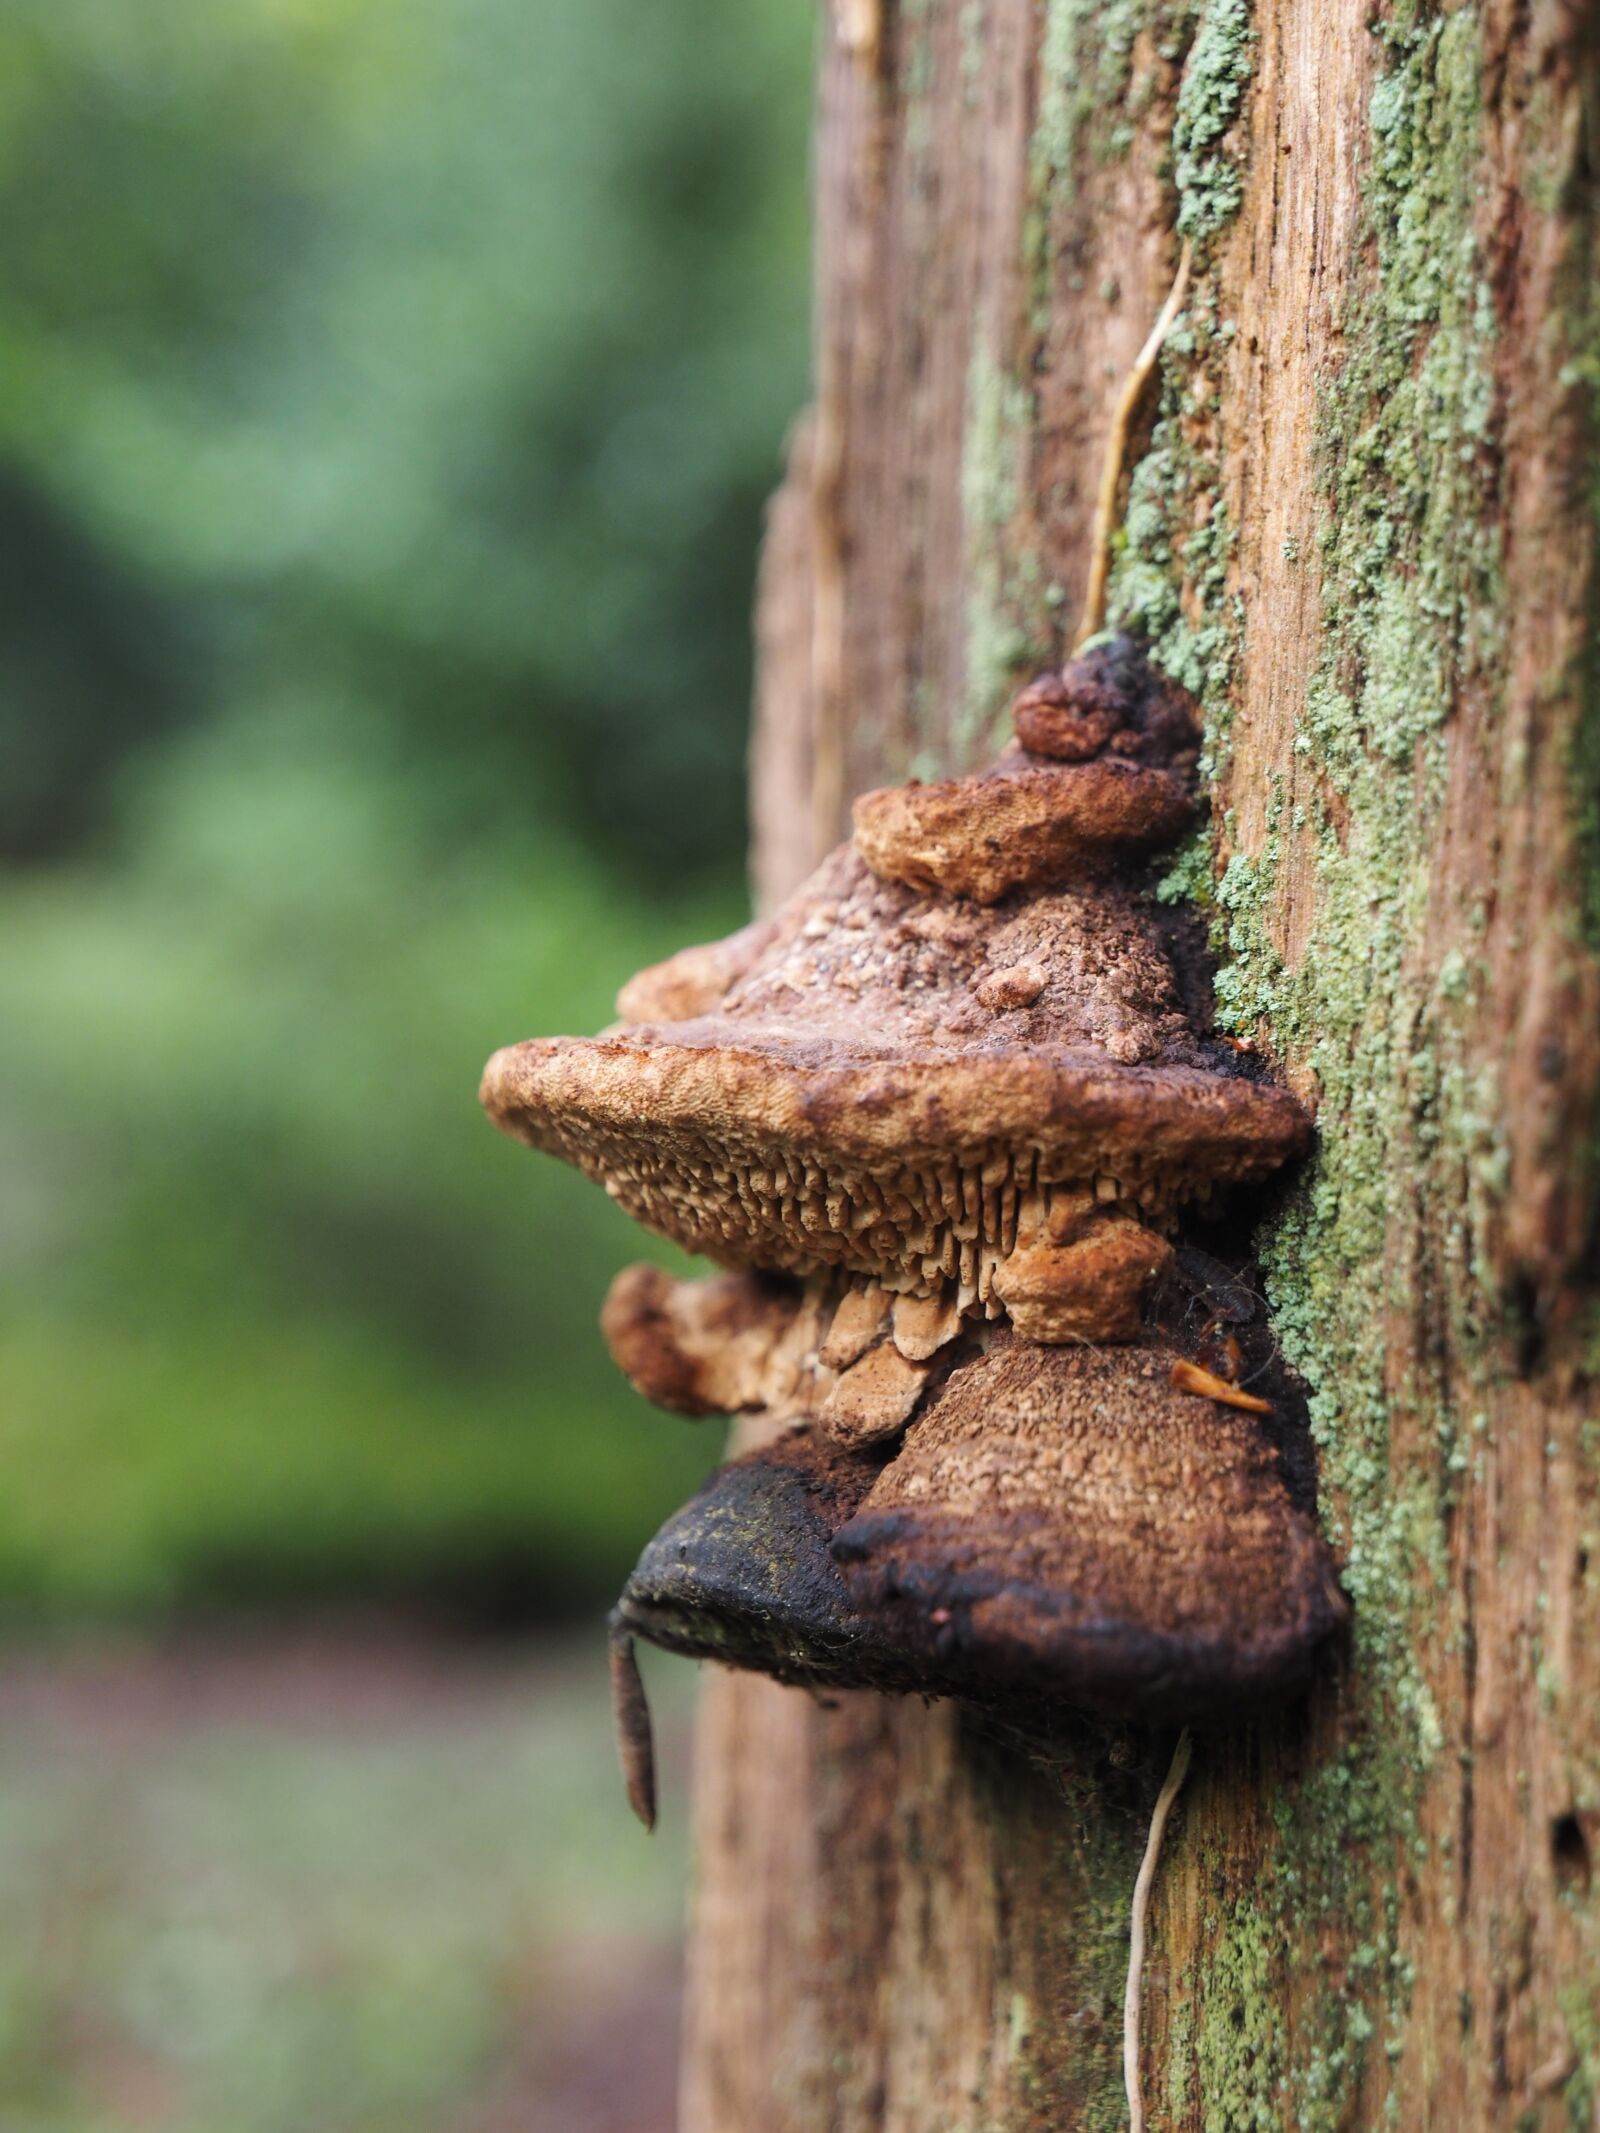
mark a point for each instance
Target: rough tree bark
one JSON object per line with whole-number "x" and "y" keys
{"x": 1360, "y": 523}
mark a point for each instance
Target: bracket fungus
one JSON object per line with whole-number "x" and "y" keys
{"x": 943, "y": 1118}
{"x": 1059, "y": 1525}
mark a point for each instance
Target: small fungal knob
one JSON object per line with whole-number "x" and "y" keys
{"x": 862, "y": 1314}
{"x": 1091, "y": 1288}
{"x": 925, "y": 1324}
{"x": 875, "y": 1398}
{"x": 1018, "y": 986}
{"x": 1109, "y": 698}
{"x": 1068, "y": 716}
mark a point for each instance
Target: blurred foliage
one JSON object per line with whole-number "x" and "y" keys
{"x": 390, "y": 393}
{"x": 342, "y": 1890}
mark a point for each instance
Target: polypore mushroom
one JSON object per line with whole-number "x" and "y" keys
{"x": 954, "y": 1081}
{"x": 859, "y": 1099}
{"x": 1060, "y": 1525}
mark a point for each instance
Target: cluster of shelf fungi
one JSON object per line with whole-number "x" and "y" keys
{"x": 955, "y": 1123}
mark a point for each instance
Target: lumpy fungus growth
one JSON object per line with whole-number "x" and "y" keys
{"x": 943, "y": 1120}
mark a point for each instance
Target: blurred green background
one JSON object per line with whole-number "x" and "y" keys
{"x": 389, "y": 390}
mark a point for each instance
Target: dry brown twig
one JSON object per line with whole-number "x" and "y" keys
{"x": 1177, "y": 1771}
{"x": 1105, "y": 510}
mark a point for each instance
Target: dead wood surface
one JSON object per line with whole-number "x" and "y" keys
{"x": 1378, "y": 1910}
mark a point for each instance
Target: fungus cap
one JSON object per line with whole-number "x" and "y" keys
{"x": 1059, "y": 1526}
{"x": 1026, "y": 823}
{"x": 861, "y": 1096}
{"x": 724, "y": 1346}
{"x": 1065, "y": 1522}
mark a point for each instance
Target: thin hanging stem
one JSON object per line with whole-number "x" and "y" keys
{"x": 1105, "y": 510}
{"x": 1134, "y": 1997}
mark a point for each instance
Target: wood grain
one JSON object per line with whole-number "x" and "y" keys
{"x": 900, "y": 1924}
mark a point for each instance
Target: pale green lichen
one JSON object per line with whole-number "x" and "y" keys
{"x": 1170, "y": 580}
{"x": 1085, "y": 62}
{"x": 1088, "y": 95}
{"x": 1582, "y": 371}
{"x": 1580, "y": 2093}
{"x": 1412, "y": 601}
{"x": 974, "y": 27}
{"x": 1579, "y": 1999}
{"x": 1239, "y": 2050}
{"x": 1085, "y": 83}
{"x": 1210, "y": 98}
{"x": 1409, "y": 560}
{"x": 1410, "y": 564}
{"x": 1066, "y": 2046}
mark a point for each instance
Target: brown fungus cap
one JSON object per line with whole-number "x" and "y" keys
{"x": 879, "y": 1091}
{"x": 725, "y": 1346}
{"x": 1026, "y": 823}
{"x": 1066, "y": 1522}
{"x": 1059, "y": 1527}
{"x": 1103, "y": 773}
{"x": 846, "y": 1355}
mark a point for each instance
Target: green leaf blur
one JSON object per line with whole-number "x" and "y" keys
{"x": 388, "y": 394}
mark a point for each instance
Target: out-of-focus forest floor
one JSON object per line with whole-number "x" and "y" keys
{"x": 352, "y": 1878}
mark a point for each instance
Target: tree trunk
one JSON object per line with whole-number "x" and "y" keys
{"x": 1360, "y": 524}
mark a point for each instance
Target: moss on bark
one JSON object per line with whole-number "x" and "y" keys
{"x": 1410, "y": 615}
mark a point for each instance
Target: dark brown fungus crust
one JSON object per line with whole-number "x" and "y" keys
{"x": 1067, "y": 716}
{"x": 853, "y": 1102}
{"x": 1060, "y": 1526}
{"x": 1110, "y": 697}
{"x": 744, "y": 1574}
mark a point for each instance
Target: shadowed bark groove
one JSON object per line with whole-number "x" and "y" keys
{"x": 1360, "y": 525}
